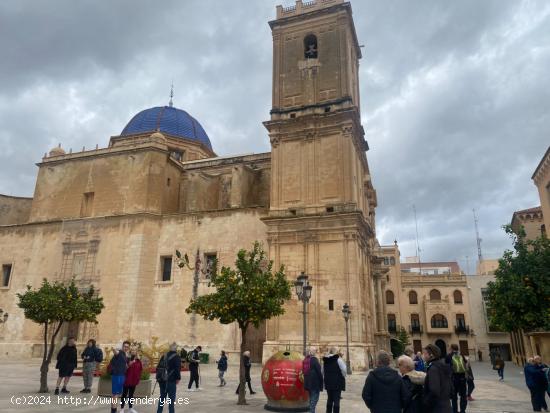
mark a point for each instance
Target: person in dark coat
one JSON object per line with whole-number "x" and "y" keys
{"x": 66, "y": 363}
{"x": 334, "y": 372}
{"x": 459, "y": 375}
{"x": 117, "y": 367}
{"x": 222, "y": 368}
{"x": 384, "y": 391}
{"x": 437, "y": 386}
{"x": 168, "y": 388}
{"x": 536, "y": 383}
{"x": 313, "y": 378}
{"x": 91, "y": 356}
{"x": 470, "y": 381}
{"x": 194, "y": 360}
{"x": 414, "y": 382}
{"x": 247, "y": 367}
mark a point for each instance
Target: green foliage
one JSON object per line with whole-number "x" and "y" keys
{"x": 400, "y": 343}
{"x": 248, "y": 294}
{"x": 60, "y": 302}
{"x": 145, "y": 374}
{"x": 53, "y": 304}
{"x": 519, "y": 298}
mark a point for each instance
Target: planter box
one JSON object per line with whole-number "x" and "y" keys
{"x": 143, "y": 389}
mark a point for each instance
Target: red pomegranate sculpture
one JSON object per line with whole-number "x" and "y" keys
{"x": 283, "y": 383}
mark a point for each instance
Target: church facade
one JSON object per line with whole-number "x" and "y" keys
{"x": 114, "y": 216}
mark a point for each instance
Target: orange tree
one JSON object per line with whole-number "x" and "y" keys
{"x": 519, "y": 298}
{"x": 248, "y": 294}
{"x": 52, "y": 305}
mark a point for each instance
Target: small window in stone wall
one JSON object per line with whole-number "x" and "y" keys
{"x": 87, "y": 205}
{"x": 209, "y": 263}
{"x": 166, "y": 268}
{"x": 331, "y": 305}
{"x": 310, "y": 46}
{"x": 6, "y": 275}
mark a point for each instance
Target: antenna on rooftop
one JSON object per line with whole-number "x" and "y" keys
{"x": 417, "y": 243}
{"x": 478, "y": 240}
{"x": 171, "y": 103}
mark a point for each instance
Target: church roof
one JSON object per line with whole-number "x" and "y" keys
{"x": 168, "y": 119}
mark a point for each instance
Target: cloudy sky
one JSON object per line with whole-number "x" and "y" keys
{"x": 455, "y": 95}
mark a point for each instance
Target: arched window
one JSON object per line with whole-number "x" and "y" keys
{"x": 457, "y": 297}
{"x": 439, "y": 321}
{"x": 310, "y": 46}
{"x": 392, "y": 323}
{"x": 413, "y": 297}
{"x": 389, "y": 297}
{"x": 435, "y": 295}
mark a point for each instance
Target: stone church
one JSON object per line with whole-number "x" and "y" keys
{"x": 113, "y": 216}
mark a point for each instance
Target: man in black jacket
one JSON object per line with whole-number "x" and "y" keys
{"x": 384, "y": 391}
{"x": 313, "y": 378}
{"x": 194, "y": 361}
{"x": 334, "y": 370}
{"x": 66, "y": 363}
{"x": 459, "y": 367}
{"x": 172, "y": 361}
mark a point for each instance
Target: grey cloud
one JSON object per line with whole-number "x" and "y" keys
{"x": 455, "y": 96}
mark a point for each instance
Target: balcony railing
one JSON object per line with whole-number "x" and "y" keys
{"x": 462, "y": 329}
{"x": 415, "y": 329}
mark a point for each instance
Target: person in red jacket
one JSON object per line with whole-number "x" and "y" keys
{"x": 133, "y": 375}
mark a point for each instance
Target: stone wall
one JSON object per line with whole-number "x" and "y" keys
{"x": 14, "y": 210}
{"x": 123, "y": 259}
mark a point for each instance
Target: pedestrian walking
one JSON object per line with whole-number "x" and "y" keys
{"x": 168, "y": 377}
{"x": 66, "y": 363}
{"x": 384, "y": 391}
{"x": 409, "y": 351}
{"x": 247, "y": 377}
{"x": 414, "y": 382}
{"x": 117, "y": 367}
{"x": 479, "y": 355}
{"x": 133, "y": 377}
{"x": 194, "y": 360}
{"x": 222, "y": 368}
{"x": 437, "y": 386}
{"x": 90, "y": 357}
{"x": 334, "y": 372}
{"x": 470, "y": 381}
{"x": 499, "y": 367}
{"x": 537, "y": 384}
{"x": 313, "y": 378}
{"x": 458, "y": 365}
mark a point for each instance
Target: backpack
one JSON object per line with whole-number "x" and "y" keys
{"x": 162, "y": 372}
{"x": 458, "y": 365}
{"x": 306, "y": 365}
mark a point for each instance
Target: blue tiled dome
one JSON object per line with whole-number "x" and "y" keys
{"x": 173, "y": 121}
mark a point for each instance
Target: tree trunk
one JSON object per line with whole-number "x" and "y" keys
{"x": 242, "y": 380}
{"x": 47, "y": 357}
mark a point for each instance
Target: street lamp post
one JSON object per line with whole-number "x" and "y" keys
{"x": 303, "y": 291}
{"x": 346, "y": 311}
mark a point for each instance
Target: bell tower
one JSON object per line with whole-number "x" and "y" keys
{"x": 315, "y": 126}
{"x": 322, "y": 203}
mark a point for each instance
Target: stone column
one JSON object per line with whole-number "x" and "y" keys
{"x": 379, "y": 309}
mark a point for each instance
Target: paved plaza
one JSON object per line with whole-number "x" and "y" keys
{"x": 20, "y": 379}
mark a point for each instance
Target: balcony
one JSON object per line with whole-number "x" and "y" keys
{"x": 415, "y": 329}
{"x": 462, "y": 329}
